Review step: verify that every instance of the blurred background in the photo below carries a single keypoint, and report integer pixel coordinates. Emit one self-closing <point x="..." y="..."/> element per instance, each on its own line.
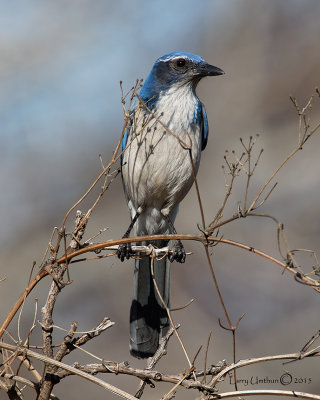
<point x="61" y="63"/>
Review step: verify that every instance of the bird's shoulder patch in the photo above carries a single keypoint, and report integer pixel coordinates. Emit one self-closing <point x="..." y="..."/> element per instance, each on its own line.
<point x="201" y="119"/>
<point x="204" y="128"/>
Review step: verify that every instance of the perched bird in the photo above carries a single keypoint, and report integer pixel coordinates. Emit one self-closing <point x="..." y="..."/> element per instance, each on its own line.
<point x="157" y="174"/>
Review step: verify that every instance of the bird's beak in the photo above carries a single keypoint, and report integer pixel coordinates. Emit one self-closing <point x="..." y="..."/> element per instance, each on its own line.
<point x="210" y="70"/>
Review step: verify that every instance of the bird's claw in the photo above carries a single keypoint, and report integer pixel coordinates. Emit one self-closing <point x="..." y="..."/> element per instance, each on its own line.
<point x="178" y="253"/>
<point x="124" y="251"/>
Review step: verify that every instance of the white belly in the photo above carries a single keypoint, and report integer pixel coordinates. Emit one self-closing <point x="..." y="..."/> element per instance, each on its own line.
<point x="157" y="170"/>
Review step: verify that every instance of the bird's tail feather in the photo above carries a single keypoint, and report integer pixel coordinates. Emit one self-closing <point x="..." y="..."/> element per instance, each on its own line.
<point x="148" y="316"/>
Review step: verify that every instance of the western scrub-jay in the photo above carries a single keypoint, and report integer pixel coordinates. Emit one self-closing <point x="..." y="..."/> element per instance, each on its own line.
<point x="157" y="174"/>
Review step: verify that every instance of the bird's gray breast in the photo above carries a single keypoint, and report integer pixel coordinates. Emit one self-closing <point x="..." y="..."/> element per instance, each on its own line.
<point x="157" y="169"/>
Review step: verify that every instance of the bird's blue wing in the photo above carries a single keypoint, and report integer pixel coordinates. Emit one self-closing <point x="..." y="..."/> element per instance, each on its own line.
<point x="124" y="140"/>
<point x="204" y="127"/>
<point x="123" y="146"/>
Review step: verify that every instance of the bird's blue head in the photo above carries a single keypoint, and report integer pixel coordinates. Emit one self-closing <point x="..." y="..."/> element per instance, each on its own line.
<point x="176" y="69"/>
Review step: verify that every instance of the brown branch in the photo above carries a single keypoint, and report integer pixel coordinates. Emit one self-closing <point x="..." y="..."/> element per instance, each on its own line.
<point x="287" y="393"/>
<point x="99" y="246"/>
<point x="217" y="372"/>
<point x="23" y="351"/>
<point x="77" y="343"/>
<point x="104" y="324"/>
<point x="250" y="361"/>
<point x="117" y="368"/>
<point x="114" y="159"/>
<point x="206" y="357"/>
<point x="30" y="367"/>
<point x="169" y="315"/>
<point x="161" y="351"/>
<point x="64" y="348"/>
<point x="233" y="170"/>
<point x="40" y="275"/>
<point x="47" y="328"/>
<point x="123" y="368"/>
<point x="213" y="226"/>
<point x="20" y="379"/>
<point x="302" y="140"/>
<point x="105" y="172"/>
<point x="217" y="286"/>
<point x="145" y="374"/>
<point x="26" y="382"/>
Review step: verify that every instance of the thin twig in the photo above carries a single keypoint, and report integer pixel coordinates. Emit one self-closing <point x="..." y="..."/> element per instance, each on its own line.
<point x="152" y="361"/>
<point x="206" y="357"/>
<point x="251" y="361"/>
<point x="73" y="370"/>
<point x="287" y="393"/>
<point x="169" y="316"/>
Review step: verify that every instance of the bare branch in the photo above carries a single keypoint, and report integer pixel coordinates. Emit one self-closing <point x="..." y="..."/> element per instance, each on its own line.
<point x="251" y="361"/>
<point x="287" y="393"/>
<point x="161" y="351"/>
<point x="73" y="370"/>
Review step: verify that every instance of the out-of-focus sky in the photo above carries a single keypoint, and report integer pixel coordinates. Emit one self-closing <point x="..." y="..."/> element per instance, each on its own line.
<point x="60" y="67"/>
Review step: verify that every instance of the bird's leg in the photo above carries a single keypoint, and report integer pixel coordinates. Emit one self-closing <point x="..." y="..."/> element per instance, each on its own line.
<point x="178" y="252"/>
<point x="124" y="250"/>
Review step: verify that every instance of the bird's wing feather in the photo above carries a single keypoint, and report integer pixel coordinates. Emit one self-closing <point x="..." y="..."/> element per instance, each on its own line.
<point x="124" y="140"/>
<point x="204" y="127"/>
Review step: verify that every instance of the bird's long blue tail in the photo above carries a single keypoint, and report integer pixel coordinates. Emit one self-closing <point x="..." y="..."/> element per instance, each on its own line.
<point x="148" y="316"/>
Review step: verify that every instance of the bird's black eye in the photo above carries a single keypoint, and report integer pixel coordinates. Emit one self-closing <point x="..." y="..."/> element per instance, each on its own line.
<point x="181" y="62"/>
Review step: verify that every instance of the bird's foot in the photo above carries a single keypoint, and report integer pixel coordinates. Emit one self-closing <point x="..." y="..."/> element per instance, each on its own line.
<point x="124" y="251"/>
<point x="178" y="253"/>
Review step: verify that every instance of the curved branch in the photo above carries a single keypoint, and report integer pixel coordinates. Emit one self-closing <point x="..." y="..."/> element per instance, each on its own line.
<point x="105" y="245"/>
<point x="250" y="361"/>
<point x="287" y="393"/>
<point x="41" y="274"/>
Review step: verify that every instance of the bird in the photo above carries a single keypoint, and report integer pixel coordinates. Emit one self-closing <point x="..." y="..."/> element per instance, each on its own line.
<point x="167" y="124"/>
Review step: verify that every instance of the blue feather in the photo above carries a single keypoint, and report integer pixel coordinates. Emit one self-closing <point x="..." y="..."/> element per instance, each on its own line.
<point x="124" y="140"/>
<point x="204" y="128"/>
<point x="200" y="118"/>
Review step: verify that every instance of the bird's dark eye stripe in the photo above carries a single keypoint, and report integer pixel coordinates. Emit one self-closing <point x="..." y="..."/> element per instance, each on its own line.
<point x="181" y="62"/>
